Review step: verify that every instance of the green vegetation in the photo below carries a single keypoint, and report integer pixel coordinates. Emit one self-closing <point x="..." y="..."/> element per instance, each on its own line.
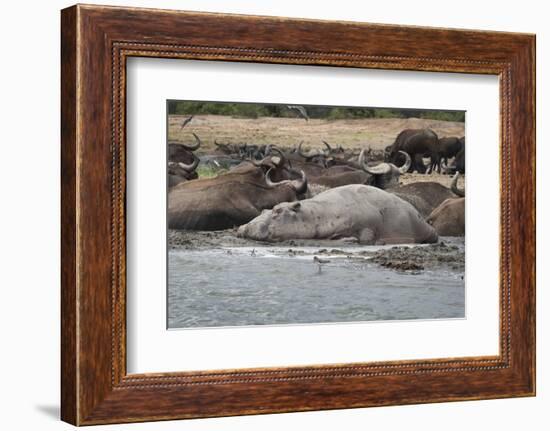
<point x="255" y="110"/>
<point x="208" y="171"/>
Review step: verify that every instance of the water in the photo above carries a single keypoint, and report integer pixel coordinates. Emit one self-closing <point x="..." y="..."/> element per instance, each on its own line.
<point x="242" y="286"/>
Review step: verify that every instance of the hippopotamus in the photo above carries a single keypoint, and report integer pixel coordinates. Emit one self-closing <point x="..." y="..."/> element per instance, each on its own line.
<point x="371" y="215"/>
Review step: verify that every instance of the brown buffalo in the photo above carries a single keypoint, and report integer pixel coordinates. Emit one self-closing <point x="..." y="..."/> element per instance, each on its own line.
<point x="448" y="219"/>
<point x="382" y="175"/>
<point x="182" y="162"/>
<point x="180" y="172"/>
<point x="417" y="143"/>
<point x="426" y="196"/>
<point x="236" y="197"/>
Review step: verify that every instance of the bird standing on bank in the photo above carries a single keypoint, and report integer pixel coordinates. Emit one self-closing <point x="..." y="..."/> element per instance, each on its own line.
<point x="320" y="262"/>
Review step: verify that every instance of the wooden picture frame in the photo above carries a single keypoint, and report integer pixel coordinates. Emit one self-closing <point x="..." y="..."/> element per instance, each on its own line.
<point x="95" y="43"/>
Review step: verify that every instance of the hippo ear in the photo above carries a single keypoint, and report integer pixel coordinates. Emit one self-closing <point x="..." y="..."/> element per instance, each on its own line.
<point x="295" y="206"/>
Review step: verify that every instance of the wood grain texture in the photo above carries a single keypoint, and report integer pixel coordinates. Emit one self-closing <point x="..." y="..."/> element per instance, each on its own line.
<point x="96" y="41"/>
<point x="69" y="367"/>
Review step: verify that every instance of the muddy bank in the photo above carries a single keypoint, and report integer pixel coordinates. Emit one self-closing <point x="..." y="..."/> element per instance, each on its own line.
<point x="448" y="253"/>
<point x="179" y="239"/>
<point x="421" y="257"/>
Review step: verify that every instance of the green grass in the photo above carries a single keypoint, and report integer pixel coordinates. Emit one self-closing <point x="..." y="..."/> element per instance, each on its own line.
<point x="208" y="171"/>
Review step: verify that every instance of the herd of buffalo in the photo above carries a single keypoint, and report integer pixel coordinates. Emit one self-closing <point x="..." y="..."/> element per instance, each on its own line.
<point x="276" y="194"/>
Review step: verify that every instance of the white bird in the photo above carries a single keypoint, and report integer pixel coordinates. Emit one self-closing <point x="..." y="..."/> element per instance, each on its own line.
<point x="300" y="110"/>
<point x="186" y="121"/>
<point x="320" y="262"/>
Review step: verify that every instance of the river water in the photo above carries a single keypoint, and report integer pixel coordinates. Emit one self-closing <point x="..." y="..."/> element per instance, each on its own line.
<point x="239" y="286"/>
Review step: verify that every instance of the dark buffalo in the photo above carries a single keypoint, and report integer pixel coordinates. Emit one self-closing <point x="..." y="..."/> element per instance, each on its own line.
<point x="449" y="147"/>
<point x="418" y="143"/>
<point x="226" y="149"/>
<point x="385" y="175"/>
<point x="382" y="175"/>
<point x="180" y="172"/>
<point x="234" y="198"/>
<point x="178" y="152"/>
<point x="242" y="151"/>
<point x="460" y="159"/>
<point x="332" y="176"/>
<point x="454" y="187"/>
<point x="315" y="155"/>
<point x="182" y="162"/>
<point x="325" y="157"/>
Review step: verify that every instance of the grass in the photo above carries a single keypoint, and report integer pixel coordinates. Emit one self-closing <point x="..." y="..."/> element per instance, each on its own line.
<point x="208" y="171"/>
<point x="288" y="132"/>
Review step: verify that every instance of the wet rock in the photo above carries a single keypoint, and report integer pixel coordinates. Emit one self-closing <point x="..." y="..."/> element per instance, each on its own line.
<point x="402" y="265"/>
<point x="419" y="258"/>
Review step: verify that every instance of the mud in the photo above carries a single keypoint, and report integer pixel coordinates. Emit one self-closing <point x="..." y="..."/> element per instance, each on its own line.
<point x="447" y="254"/>
<point x="419" y="258"/>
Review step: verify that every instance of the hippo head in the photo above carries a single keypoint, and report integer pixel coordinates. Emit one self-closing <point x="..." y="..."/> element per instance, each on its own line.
<point x="285" y="220"/>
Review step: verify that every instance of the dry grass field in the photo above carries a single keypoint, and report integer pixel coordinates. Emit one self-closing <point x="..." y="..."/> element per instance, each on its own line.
<point x="287" y="132"/>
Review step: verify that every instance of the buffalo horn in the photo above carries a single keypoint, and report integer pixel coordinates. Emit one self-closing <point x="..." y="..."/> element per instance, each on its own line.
<point x="310" y="153"/>
<point x="300" y="186"/>
<point x="190" y="168"/>
<point x="403" y="169"/>
<point x="193" y="147"/>
<point x="273" y="149"/>
<point x="454" y="187"/>
<point x="381" y="169"/>
<point x="300" y="152"/>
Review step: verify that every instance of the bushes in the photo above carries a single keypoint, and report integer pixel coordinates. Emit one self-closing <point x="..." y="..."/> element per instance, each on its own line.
<point x="255" y="110"/>
<point x="444" y="115"/>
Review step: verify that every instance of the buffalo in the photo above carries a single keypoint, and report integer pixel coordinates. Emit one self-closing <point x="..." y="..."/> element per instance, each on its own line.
<point x="385" y="175"/>
<point x="236" y="197"/>
<point x="182" y="162"/>
<point x="178" y="152"/>
<point x="382" y="175"/>
<point x="417" y="143"/>
<point x="325" y="156"/>
<point x="460" y="159"/>
<point x="180" y="172"/>
<point x="242" y="151"/>
<point x="425" y="196"/>
<point x="371" y="215"/>
<point x="449" y="147"/>
<point x="453" y="147"/>
<point x="448" y="219"/>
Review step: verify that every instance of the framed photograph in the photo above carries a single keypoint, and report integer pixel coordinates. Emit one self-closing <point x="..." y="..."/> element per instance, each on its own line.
<point x="264" y="214"/>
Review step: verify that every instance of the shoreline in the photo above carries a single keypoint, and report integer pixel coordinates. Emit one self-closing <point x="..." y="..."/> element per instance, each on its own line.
<point x="448" y="253"/>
